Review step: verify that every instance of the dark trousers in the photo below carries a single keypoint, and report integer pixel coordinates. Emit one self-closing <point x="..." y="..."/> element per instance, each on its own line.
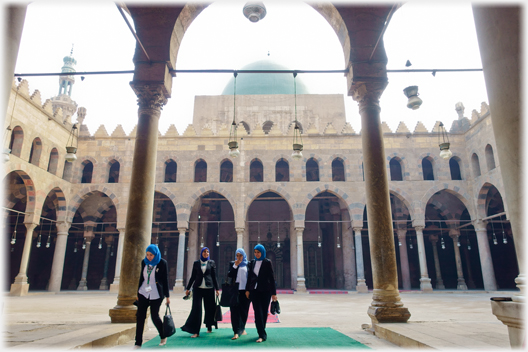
<point x="141" y="314"/>
<point x="239" y="313"/>
<point x="261" y="302"/>
<point x="194" y="321"/>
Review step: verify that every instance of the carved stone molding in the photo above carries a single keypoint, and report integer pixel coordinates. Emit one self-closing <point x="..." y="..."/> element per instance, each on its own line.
<point x="150" y="96"/>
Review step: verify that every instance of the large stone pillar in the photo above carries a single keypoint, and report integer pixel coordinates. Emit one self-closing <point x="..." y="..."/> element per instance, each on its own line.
<point x="21" y="287"/>
<point x="88" y="237"/>
<point x="151" y="97"/>
<point x="461" y="283"/>
<point x="240" y="238"/>
<point x="293" y="256"/>
<point x="498" y="32"/>
<point x="349" y="259"/>
<point x="249" y="251"/>
<point x="486" y="263"/>
<point x="301" y="281"/>
<point x="425" y="281"/>
<point x="57" y="266"/>
<point x="114" y="287"/>
<point x="404" y="259"/>
<point x="104" y="281"/>
<point x="178" y="284"/>
<point x="439" y="281"/>
<point x="386" y="305"/>
<point x="361" y="286"/>
<point x="192" y="243"/>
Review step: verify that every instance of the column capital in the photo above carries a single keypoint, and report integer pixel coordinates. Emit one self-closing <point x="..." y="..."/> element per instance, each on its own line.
<point x="151" y="95"/>
<point x="480" y="225"/>
<point x="121" y="229"/>
<point x="367" y="93"/>
<point x="182" y="229"/>
<point x="418" y="223"/>
<point x="299" y="229"/>
<point x="63" y="226"/>
<point x="454" y="233"/>
<point x="30" y="226"/>
<point x="401" y="232"/>
<point x="356" y="229"/>
<point x="419" y="228"/>
<point x="240" y="229"/>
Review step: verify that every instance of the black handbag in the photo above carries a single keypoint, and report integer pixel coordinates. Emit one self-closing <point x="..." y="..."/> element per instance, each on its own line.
<point x="229" y="297"/>
<point x="275" y="307"/>
<point x="218" y="311"/>
<point x="168" y="323"/>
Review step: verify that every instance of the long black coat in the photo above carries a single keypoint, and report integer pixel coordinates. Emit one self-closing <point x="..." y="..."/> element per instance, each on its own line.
<point x="161" y="275"/>
<point x="265" y="281"/>
<point x="197" y="275"/>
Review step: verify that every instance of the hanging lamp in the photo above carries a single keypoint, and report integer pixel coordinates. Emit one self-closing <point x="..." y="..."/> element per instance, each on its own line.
<point x="233" y="143"/>
<point x="297" y="139"/>
<point x="39" y="238"/>
<point x="70" y="148"/>
<point x="48" y="242"/>
<point x="13" y="238"/>
<point x="218" y="234"/>
<point x="504" y="239"/>
<point x="443" y="143"/>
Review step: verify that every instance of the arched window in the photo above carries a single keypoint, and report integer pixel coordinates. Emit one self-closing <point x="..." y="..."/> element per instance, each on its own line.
<point x="266" y="127"/>
<point x="256" y="171"/>
<point x="395" y="170"/>
<point x="282" y="171"/>
<point x="17" y="138"/>
<point x="490" y="159"/>
<point x="113" y="174"/>
<point x="427" y="169"/>
<point x="226" y="171"/>
<point x="87" y="172"/>
<point x="36" y="149"/>
<point x="475" y="165"/>
<point x="200" y="171"/>
<point x="455" y="169"/>
<point x="53" y="161"/>
<point x="67" y="172"/>
<point x="170" y="170"/>
<point x="312" y="170"/>
<point x="338" y="170"/>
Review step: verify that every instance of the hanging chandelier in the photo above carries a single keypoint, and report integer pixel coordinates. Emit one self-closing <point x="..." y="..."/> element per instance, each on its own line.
<point x="71" y="149"/>
<point x="443" y="143"/>
<point x="233" y="143"/>
<point x="297" y="139"/>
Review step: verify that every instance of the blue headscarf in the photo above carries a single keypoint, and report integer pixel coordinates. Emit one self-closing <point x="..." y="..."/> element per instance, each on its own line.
<point x="201" y="254"/>
<point x="157" y="255"/>
<point x="262" y="250"/>
<point x="244" y="260"/>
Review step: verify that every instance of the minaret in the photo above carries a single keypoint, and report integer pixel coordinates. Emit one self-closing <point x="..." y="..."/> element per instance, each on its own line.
<point x="64" y="100"/>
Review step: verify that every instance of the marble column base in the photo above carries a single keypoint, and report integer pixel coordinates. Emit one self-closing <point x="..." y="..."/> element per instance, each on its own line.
<point x="388" y="314"/>
<point x="104" y="284"/>
<point x="511" y="314"/>
<point x="82" y="285"/>
<point x="361" y="286"/>
<point x="123" y="314"/>
<point x="301" y="286"/>
<point x="461" y="285"/>
<point x="425" y="285"/>
<point x="178" y="286"/>
<point x="19" y="289"/>
<point x="114" y="288"/>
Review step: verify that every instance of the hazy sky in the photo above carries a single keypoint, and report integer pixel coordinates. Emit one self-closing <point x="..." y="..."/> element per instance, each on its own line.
<point x="430" y="35"/>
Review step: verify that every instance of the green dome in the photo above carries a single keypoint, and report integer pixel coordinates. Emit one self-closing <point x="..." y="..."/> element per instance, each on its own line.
<point x="265" y="83"/>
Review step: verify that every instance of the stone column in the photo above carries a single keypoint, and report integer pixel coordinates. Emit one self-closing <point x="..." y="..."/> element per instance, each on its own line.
<point x="246" y="241"/>
<point x="240" y="238"/>
<point x="293" y="256"/>
<point x="349" y="259"/>
<point x="439" y="281"/>
<point x="425" y="281"/>
<point x="301" y="281"/>
<point x="151" y="97"/>
<point x="404" y="259"/>
<point x="192" y="243"/>
<point x="88" y="236"/>
<point x="461" y="283"/>
<point x="178" y="284"/>
<point x="114" y="287"/>
<point x="469" y="279"/>
<point x="361" y="286"/>
<point x="499" y="31"/>
<point x="57" y="266"/>
<point x="386" y="305"/>
<point x="104" y="281"/>
<point x="20" y="287"/>
<point x="486" y="263"/>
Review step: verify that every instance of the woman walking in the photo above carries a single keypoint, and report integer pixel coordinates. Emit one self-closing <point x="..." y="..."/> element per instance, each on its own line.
<point x="260" y="288"/>
<point x="239" y="312"/>
<point x="203" y="281"/>
<point x="153" y="287"/>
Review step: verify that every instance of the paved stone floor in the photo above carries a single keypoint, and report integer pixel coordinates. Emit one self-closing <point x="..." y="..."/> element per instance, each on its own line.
<point x="442" y="320"/>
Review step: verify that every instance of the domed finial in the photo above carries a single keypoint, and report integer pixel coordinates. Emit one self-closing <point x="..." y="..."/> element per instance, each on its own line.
<point x="254" y="11"/>
<point x="459" y="107"/>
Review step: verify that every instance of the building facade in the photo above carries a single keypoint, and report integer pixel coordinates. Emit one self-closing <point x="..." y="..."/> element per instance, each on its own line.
<point x="451" y="228"/>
